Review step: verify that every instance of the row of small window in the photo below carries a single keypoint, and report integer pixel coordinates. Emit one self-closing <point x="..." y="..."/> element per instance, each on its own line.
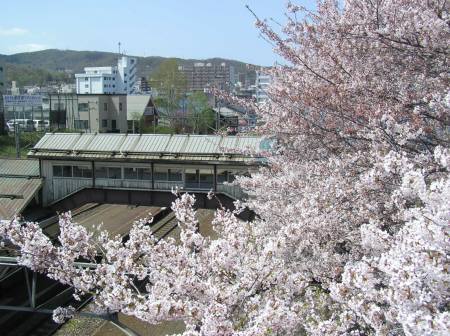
<point x="109" y="85"/>
<point x="161" y="174"/>
<point x="109" y="78"/>
<point x="115" y="173"/>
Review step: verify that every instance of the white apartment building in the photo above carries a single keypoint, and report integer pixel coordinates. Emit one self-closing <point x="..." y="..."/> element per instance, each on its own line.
<point x="118" y="79"/>
<point x="263" y="81"/>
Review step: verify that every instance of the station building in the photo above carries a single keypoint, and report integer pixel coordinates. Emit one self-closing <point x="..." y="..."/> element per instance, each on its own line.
<point x="70" y="162"/>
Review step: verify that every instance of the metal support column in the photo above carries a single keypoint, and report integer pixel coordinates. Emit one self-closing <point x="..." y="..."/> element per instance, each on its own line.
<point x="215" y="178"/>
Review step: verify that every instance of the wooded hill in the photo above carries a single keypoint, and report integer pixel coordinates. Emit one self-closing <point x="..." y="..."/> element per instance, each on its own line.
<point x="49" y="65"/>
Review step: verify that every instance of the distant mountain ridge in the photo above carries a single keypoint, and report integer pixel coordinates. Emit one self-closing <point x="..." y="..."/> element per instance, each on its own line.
<point x="53" y="64"/>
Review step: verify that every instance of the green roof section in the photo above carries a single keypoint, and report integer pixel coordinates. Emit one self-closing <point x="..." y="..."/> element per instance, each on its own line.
<point x="19" y="167"/>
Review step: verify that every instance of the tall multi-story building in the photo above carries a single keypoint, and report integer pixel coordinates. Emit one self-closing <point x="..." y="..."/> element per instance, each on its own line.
<point x="118" y="79"/>
<point x="2" y="90"/>
<point x="142" y="86"/>
<point x="263" y="81"/>
<point x="201" y="75"/>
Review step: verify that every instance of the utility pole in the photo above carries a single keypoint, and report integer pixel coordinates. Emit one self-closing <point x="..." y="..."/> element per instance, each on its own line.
<point x="17" y="134"/>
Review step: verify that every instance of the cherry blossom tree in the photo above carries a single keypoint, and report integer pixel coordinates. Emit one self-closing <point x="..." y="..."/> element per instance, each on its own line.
<point x="352" y="228"/>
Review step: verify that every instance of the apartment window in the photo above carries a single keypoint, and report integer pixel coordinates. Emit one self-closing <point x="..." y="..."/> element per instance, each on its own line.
<point x="81" y="124"/>
<point x="82" y="171"/>
<point x="104" y="123"/>
<point x="86" y="86"/>
<point x="125" y="75"/>
<point x="125" y="82"/>
<point x="105" y="107"/>
<point x="115" y="173"/>
<point x="83" y="107"/>
<point x="113" y="124"/>
<point x="120" y="106"/>
<point x="86" y="78"/>
<point x="114" y="86"/>
<point x="105" y="78"/>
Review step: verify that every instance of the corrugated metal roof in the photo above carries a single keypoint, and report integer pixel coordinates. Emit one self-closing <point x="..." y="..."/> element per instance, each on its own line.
<point x="15" y="194"/>
<point x="176" y="144"/>
<point x="105" y="143"/>
<point x="145" y="146"/>
<point x="19" y="167"/>
<point x="154" y="144"/>
<point x="59" y="141"/>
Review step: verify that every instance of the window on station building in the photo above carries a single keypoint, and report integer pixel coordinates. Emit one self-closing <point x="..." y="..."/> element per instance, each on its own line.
<point x="82" y="171"/>
<point x="175" y="175"/>
<point x="161" y="174"/>
<point x="105" y="107"/>
<point x="144" y="174"/>
<point x="206" y="178"/>
<point x="120" y="106"/>
<point x="222" y="176"/>
<point x="104" y="123"/>
<point x="130" y="173"/>
<point x="101" y="172"/>
<point x="113" y="124"/>
<point x="114" y="173"/>
<point x="191" y="178"/>
<point x="137" y="173"/>
<point x="62" y="171"/>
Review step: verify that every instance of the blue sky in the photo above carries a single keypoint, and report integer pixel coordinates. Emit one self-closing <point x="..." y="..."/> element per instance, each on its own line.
<point x="178" y="28"/>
